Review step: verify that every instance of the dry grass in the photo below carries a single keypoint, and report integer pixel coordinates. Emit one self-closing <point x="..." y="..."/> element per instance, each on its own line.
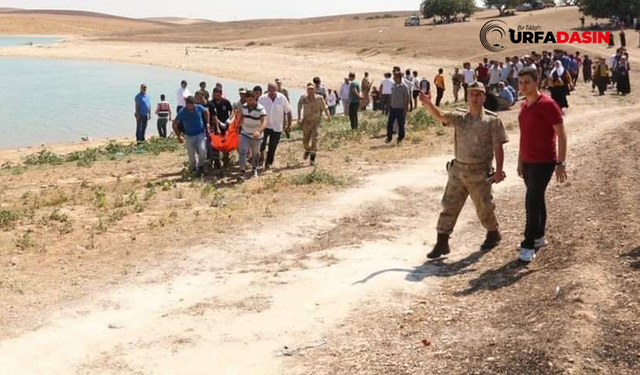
<point x="100" y="219"/>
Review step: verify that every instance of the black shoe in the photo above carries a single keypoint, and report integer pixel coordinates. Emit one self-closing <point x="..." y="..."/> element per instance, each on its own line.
<point x="388" y="140"/>
<point x="312" y="159"/>
<point x="492" y="240"/>
<point x="306" y="155"/>
<point x="441" y="248"/>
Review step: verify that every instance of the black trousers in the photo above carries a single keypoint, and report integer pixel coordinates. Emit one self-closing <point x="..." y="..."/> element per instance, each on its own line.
<point x="439" y="97"/>
<point x="162" y="127"/>
<point x="353" y="114"/>
<point x="536" y="178"/>
<point x="270" y="143"/>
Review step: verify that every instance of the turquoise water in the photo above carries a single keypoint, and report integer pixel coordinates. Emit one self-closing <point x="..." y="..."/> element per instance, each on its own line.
<point x="46" y="101"/>
<point x="9" y="41"/>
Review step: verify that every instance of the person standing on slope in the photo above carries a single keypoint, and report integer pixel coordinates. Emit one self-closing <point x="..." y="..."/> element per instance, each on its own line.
<point x="479" y="137"/>
<point x="541" y="128"/>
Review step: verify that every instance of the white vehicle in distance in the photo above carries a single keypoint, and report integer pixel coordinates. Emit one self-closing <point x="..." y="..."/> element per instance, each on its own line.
<point x="412" y="20"/>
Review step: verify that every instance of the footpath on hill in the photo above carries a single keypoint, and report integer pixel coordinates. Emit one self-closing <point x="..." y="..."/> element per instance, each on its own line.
<point x="342" y="287"/>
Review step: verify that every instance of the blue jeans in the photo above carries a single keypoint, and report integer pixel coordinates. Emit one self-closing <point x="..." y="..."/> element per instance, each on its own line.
<point x="248" y="142"/>
<point x="196" y="144"/>
<point x="141" y="127"/>
<point x="396" y="114"/>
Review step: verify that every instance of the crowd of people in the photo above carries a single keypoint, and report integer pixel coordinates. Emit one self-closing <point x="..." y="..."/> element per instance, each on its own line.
<point x="265" y="117"/>
<point x="262" y="118"/>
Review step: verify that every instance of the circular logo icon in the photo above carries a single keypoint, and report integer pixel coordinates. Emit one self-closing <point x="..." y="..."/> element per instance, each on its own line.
<point x="493" y="30"/>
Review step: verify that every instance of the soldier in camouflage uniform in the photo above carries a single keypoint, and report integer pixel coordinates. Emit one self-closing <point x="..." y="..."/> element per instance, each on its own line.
<point x="479" y="135"/>
<point x="365" y="85"/>
<point x="310" y="109"/>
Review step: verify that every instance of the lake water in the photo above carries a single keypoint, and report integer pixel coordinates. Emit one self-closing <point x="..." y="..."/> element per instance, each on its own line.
<point x="9" y="41"/>
<point x="46" y="101"/>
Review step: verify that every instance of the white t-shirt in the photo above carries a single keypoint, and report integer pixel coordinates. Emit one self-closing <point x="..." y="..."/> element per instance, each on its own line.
<point x="345" y="90"/>
<point x="469" y="76"/>
<point x="332" y="99"/>
<point x="387" y="86"/>
<point x="506" y="72"/>
<point x="276" y="109"/>
<point x="181" y="95"/>
<point x="516" y="68"/>
<point x="612" y="62"/>
<point x="495" y="74"/>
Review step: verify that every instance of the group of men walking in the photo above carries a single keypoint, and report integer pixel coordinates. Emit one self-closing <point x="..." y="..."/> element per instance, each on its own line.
<point x="262" y="120"/>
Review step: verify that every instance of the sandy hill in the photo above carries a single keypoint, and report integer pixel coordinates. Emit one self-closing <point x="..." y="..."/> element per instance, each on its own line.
<point x="66" y="22"/>
<point x="364" y="34"/>
<point x="178" y="20"/>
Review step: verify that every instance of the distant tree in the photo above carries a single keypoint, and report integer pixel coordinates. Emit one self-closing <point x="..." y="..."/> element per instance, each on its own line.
<point x="609" y="8"/>
<point x="447" y="10"/>
<point x="501" y="5"/>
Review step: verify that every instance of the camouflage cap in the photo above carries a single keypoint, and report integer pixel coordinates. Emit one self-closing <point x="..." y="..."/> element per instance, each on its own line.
<point x="478" y="86"/>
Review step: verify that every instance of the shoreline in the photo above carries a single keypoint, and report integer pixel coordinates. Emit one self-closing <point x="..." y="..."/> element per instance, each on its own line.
<point x="293" y="66"/>
<point x="16" y="154"/>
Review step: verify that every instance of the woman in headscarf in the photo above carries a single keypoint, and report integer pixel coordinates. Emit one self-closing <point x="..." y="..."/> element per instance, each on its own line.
<point x="601" y="76"/>
<point x="612" y="41"/>
<point x="559" y="84"/>
<point x="624" y="84"/>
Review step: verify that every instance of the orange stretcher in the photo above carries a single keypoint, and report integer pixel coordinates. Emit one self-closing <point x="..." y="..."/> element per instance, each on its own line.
<point x="229" y="141"/>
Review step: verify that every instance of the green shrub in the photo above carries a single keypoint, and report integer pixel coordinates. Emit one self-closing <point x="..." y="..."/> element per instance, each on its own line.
<point x="56" y="215"/>
<point x="420" y="120"/>
<point x="86" y="158"/>
<point x="8" y="219"/>
<point x="317" y="176"/>
<point x="43" y="157"/>
<point x="100" y="197"/>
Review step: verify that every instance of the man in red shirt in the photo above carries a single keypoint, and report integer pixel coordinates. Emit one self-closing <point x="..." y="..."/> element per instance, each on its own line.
<point x="541" y="133"/>
<point x="482" y="72"/>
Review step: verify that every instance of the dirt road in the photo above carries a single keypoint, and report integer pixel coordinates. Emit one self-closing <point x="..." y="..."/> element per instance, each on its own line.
<point x="277" y="290"/>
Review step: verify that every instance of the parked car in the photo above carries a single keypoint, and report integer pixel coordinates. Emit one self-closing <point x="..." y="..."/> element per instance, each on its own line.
<point x="535" y="5"/>
<point x="412" y="20"/>
<point x="524" y="8"/>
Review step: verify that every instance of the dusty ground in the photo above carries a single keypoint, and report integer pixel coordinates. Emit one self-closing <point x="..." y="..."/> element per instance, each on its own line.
<point x="87" y="224"/>
<point x="132" y="269"/>
<point x="572" y="312"/>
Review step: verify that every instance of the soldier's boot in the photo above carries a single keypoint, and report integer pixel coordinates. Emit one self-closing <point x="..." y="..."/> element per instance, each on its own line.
<point x="492" y="240"/>
<point x="312" y="159"/>
<point x="441" y="248"/>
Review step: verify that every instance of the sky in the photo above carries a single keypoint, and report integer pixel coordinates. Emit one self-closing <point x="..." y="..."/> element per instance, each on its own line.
<point x="218" y="10"/>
